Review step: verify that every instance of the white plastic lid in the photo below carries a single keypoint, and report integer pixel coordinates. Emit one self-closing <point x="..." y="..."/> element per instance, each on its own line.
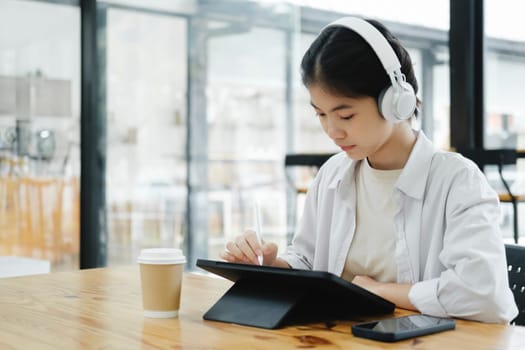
<point x="161" y="256"/>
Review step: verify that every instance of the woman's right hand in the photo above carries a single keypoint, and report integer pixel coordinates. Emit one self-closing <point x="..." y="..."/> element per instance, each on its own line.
<point x="245" y="249"/>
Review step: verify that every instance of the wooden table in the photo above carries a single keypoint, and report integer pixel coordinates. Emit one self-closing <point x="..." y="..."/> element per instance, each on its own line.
<point x="101" y="309"/>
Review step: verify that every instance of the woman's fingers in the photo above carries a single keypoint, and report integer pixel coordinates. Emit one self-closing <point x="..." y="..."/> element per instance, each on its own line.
<point x="235" y="251"/>
<point x="269" y="252"/>
<point x="253" y="242"/>
<point x="225" y="255"/>
<point x="246" y="248"/>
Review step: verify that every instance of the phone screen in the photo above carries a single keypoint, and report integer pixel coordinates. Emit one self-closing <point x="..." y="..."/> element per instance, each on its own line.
<point x="398" y="328"/>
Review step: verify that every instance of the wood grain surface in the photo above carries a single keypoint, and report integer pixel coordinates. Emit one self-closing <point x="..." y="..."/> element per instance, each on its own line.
<point x="101" y="309"/>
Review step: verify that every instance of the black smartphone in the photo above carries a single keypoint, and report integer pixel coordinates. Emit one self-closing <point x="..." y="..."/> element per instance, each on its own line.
<point x="398" y="328"/>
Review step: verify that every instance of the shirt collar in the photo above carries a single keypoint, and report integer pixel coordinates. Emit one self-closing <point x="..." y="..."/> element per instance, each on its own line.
<point x="347" y="172"/>
<point x="413" y="178"/>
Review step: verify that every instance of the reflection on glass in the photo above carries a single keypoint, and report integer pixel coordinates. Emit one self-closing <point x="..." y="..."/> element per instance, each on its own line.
<point x="246" y="104"/>
<point x="146" y="109"/>
<point x="504" y="109"/>
<point x="39" y="131"/>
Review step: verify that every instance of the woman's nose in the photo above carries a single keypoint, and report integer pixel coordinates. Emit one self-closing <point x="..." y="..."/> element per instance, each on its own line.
<point x="334" y="131"/>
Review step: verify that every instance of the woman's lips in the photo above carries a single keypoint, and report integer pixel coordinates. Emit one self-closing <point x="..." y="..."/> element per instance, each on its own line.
<point x="347" y="148"/>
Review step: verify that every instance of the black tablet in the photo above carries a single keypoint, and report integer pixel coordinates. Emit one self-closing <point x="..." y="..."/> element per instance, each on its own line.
<point x="271" y="297"/>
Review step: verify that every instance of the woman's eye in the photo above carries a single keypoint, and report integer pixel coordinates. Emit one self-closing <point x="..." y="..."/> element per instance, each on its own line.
<point x="348" y="117"/>
<point x="320" y="115"/>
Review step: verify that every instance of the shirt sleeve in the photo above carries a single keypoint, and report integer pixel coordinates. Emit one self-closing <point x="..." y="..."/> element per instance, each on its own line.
<point x="474" y="284"/>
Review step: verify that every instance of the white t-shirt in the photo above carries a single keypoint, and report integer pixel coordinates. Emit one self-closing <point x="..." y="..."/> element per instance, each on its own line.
<point x="372" y="252"/>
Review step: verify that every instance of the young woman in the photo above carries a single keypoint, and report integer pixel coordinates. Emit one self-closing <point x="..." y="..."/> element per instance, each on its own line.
<point x="391" y="213"/>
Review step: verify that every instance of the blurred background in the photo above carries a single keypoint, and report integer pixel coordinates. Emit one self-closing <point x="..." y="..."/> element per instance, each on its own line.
<point x="179" y="115"/>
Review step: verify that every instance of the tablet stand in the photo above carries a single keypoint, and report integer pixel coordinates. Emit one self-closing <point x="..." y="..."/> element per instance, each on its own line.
<point x="258" y="303"/>
<point x="250" y="303"/>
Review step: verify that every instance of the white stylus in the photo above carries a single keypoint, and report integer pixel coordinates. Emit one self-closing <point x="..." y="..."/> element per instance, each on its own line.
<point x="258" y="232"/>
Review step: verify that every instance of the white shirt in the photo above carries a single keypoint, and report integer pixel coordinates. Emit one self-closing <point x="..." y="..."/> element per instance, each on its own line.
<point x="372" y="251"/>
<point x="448" y="241"/>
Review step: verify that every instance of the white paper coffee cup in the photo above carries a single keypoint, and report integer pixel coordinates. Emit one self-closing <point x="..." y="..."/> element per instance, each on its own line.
<point x="161" y="281"/>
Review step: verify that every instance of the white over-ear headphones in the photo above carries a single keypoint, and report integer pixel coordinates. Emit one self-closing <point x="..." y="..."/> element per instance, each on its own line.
<point x="398" y="101"/>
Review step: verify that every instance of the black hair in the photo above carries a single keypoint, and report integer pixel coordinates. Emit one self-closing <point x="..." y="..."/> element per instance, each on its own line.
<point x="343" y="63"/>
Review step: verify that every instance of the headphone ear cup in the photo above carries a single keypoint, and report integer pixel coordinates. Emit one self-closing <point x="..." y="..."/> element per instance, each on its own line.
<point x="396" y="107"/>
<point x="385" y="104"/>
<point x="406" y="101"/>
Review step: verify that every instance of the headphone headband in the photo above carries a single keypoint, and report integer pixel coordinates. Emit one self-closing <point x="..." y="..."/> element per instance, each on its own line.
<point x="374" y="38"/>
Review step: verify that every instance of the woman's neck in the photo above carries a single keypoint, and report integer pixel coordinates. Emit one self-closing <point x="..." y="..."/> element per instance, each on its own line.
<point x="394" y="153"/>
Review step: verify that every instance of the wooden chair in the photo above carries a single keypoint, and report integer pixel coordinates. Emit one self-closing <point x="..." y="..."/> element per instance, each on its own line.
<point x="499" y="158"/>
<point x="516" y="270"/>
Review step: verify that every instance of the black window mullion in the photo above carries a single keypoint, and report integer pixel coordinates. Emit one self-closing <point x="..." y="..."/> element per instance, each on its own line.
<point x="93" y="231"/>
<point x="466" y="41"/>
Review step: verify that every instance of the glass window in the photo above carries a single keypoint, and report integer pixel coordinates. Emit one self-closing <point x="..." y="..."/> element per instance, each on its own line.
<point x="39" y="131"/>
<point x="308" y="134"/>
<point x="146" y="131"/>
<point x="166" y="6"/>
<point x="432" y="14"/>
<point x="504" y="109"/>
<point x="247" y="118"/>
<point x="504" y="74"/>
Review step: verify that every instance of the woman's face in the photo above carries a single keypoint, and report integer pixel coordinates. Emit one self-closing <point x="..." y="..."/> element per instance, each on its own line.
<point x="353" y="124"/>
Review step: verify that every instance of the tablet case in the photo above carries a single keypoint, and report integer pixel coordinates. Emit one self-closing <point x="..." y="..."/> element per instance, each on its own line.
<point x="271" y="297"/>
